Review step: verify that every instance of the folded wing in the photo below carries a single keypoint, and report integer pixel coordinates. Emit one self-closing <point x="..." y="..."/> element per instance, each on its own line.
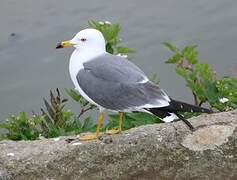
<point x="115" y="83"/>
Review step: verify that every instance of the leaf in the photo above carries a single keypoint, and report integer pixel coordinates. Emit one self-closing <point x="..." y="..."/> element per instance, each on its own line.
<point x="64" y="100"/>
<point x="5" y="126"/>
<point x="145" y="118"/>
<point x="174" y="59"/>
<point x="204" y="71"/>
<point x="49" y="109"/>
<point x="210" y="91"/>
<point x="171" y="47"/>
<point x="113" y="119"/>
<point x="22" y="117"/>
<point x="110" y="32"/>
<point x="227" y="88"/>
<point x="47" y="118"/>
<point x="189" y="48"/>
<point x="73" y="94"/>
<point x="190" y="54"/>
<point x="83" y="102"/>
<point x="182" y="72"/>
<point x="58" y="97"/>
<point x="127" y="122"/>
<point x="154" y="78"/>
<point x="53" y="101"/>
<point x="124" y="50"/>
<point x="94" y="24"/>
<point x="109" y="48"/>
<point x="87" y="124"/>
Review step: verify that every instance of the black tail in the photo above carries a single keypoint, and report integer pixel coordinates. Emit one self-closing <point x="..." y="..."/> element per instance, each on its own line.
<point x="177" y="106"/>
<point x="184" y="120"/>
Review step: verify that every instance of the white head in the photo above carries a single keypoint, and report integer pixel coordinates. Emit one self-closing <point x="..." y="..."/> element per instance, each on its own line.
<point x="86" y="40"/>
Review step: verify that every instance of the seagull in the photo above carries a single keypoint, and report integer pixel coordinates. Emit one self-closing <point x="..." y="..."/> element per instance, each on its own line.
<point x="113" y="83"/>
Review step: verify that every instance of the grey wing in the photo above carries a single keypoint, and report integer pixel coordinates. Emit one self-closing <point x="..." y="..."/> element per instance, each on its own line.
<point x="115" y="68"/>
<point x="119" y="86"/>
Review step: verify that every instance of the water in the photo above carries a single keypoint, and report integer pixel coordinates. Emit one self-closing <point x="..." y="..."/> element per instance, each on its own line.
<point x="30" y="65"/>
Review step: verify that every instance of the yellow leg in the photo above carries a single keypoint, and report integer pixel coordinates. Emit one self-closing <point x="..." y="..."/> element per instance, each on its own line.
<point x="119" y="129"/>
<point x="95" y="135"/>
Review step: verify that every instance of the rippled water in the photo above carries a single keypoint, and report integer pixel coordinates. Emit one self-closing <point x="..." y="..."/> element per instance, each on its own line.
<point x="30" y="65"/>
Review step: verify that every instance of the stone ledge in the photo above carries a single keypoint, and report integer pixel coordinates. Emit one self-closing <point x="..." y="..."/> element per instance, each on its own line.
<point x="159" y="151"/>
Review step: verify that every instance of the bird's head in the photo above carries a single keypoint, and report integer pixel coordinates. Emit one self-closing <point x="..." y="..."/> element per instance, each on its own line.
<point x="87" y="39"/>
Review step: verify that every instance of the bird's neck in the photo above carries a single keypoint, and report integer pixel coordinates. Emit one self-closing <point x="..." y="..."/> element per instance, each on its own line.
<point x="84" y="55"/>
<point x="81" y="56"/>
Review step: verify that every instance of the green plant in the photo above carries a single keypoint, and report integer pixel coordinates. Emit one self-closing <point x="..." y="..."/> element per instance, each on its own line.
<point x="58" y="121"/>
<point x="111" y="35"/>
<point x="53" y="121"/>
<point x="22" y="127"/>
<point x="131" y="120"/>
<point x="84" y="105"/>
<point x="220" y="94"/>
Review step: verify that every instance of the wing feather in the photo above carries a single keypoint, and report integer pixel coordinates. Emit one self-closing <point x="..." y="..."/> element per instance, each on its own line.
<point x="116" y="84"/>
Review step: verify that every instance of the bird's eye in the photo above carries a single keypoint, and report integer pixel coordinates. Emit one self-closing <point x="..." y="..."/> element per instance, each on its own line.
<point x="83" y="39"/>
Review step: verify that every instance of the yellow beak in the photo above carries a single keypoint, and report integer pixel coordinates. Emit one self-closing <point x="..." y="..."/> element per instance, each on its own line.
<point x="64" y="44"/>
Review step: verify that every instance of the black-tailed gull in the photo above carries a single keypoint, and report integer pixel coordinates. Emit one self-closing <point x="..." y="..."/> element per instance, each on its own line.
<point x="115" y="84"/>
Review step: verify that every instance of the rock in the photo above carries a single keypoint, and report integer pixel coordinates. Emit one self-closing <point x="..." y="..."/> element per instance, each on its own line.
<point x="159" y="151"/>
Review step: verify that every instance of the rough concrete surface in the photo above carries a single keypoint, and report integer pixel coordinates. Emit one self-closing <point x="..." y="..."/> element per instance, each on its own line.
<point x="159" y="151"/>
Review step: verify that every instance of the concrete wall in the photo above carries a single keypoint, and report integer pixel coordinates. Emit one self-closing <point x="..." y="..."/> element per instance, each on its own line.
<point x="159" y="151"/>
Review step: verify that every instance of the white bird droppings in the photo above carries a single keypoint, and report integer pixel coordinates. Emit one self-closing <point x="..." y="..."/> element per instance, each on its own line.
<point x="76" y="143"/>
<point x="10" y="154"/>
<point x="56" y="139"/>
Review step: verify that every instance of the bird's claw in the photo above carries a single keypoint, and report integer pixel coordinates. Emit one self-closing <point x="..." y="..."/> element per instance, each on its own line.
<point x="112" y="131"/>
<point x="88" y="137"/>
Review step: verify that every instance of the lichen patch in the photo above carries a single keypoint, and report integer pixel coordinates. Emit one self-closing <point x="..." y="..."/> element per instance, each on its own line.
<point x="208" y="137"/>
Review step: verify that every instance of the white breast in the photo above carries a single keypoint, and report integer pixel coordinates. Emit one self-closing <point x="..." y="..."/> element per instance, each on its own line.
<point x="75" y="65"/>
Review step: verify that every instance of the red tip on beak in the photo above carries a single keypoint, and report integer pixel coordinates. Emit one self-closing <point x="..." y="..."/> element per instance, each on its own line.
<point x="59" y="45"/>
